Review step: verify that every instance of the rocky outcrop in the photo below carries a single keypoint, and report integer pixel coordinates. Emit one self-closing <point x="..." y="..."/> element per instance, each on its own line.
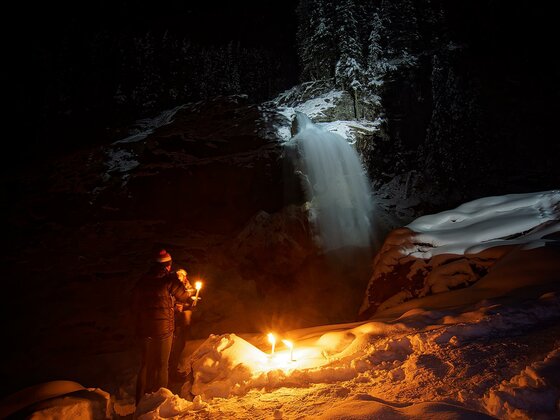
<point x="458" y="248"/>
<point x="399" y="276"/>
<point x="344" y="106"/>
<point x="209" y="168"/>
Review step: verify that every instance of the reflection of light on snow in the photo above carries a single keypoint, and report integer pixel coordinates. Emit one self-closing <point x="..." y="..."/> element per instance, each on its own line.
<point x="285" y="360"/>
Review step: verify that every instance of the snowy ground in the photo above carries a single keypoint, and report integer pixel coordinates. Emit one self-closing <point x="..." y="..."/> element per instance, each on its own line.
<point x="492" y="349"/>
<point x="488" y="350"/>
<point x="454" y="363"/>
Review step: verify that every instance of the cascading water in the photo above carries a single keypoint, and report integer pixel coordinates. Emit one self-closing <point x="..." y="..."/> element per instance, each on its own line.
<point x="336" y="186"/>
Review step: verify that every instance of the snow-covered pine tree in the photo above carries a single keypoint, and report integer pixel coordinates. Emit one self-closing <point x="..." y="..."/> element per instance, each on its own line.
<point x="400" y="21"/>
<point x="233" y="80"/>
<point x="453" y="153"/>
<point x="316" y="39"/>
<point x="376" y="64"/>
<point x="349" y="70"/>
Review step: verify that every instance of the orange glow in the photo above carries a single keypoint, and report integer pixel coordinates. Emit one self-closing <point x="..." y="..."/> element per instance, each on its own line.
<point x="305" y="356"/>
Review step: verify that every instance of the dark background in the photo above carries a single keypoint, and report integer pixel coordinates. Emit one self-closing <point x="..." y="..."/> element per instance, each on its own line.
<point x="63" y="60"/>
<point x="58" y="91"/>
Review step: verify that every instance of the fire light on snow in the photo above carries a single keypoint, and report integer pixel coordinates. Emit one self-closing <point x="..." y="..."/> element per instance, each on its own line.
<point x="404" y="355"/>
<point x="285" y="360"/>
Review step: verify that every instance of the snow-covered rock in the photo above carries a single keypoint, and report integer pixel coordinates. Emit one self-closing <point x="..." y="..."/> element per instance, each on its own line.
<point x="457" y="248"/>
<point x="330" y="108"/>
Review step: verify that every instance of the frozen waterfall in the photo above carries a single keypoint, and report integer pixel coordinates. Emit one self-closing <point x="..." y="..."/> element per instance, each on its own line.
<point x="336" y="186"/>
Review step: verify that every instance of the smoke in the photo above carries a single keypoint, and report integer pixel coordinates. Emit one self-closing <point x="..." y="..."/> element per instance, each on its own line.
<point x="336" y="186"/>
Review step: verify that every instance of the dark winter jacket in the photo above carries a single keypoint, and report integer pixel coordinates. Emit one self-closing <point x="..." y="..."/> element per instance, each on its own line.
<point x="153" y="300"/>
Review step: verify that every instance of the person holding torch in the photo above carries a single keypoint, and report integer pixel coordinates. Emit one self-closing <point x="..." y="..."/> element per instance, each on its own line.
<point x="154" y="297"/>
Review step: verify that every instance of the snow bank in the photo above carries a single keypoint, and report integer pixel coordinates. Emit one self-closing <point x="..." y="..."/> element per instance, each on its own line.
<point x="57" y="400"/>
<point x="487" y="222"/>
<point x="492" y="246"/>
<point x="221" y="366"/>
<point x="228" y="365"/>
<point x="438" y="363"/>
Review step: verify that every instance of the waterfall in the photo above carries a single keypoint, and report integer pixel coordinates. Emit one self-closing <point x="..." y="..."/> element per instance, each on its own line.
<point x="335" y="184"/>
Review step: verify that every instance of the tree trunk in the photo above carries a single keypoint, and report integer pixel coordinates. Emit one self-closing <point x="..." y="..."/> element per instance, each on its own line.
<point x="355" y="97"/>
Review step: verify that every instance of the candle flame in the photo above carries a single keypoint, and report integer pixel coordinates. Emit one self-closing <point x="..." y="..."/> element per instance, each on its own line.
<point x="271" y="338"/>
<point x="288" y="344"/>
<point x="198" y="285"/>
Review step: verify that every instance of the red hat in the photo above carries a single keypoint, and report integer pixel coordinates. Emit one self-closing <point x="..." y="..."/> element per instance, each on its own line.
<point x="163" y="256"/>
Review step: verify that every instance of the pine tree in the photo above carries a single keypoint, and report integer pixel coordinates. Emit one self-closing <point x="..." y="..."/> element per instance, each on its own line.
<point x="453" y="152"/>
<point x="349" y="70"/>
<point x="316" y="39"/>
<point x="400" y="21"/>
<point x="376" y="64"/>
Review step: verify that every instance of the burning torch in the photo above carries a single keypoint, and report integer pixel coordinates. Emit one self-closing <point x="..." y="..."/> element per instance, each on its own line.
<point x="290" y="345"/>
<point x="197" y="286"/>
<point x="272" y="341"/>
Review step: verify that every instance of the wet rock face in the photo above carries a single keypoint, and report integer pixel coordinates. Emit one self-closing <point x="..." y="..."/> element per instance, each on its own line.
<point x="208" y="168"/>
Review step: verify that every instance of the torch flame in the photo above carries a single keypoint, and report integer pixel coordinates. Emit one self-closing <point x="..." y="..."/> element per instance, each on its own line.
<point x="288" y="344"/>
<point x="272" y="341"/>
<point x="198" y="285"/>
